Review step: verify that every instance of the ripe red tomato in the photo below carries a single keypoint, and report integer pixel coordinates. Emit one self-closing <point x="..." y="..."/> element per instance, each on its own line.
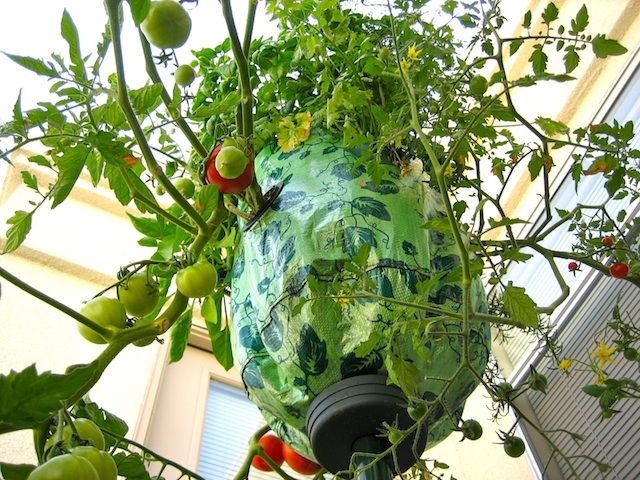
<point x="233" y="185"/>
<point x="619" y="270"/>
<point x="272" y="446"/>
<point x="608" y="241"/>
<point x="299" y="463"/>
<point x="573" y="266"/>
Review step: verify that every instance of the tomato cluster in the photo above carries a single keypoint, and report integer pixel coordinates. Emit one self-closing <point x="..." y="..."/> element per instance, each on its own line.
<point x="280" y="452"/>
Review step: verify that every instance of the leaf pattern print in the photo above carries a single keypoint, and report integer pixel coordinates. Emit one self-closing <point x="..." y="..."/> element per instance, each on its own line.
<point x="371" y="206"/>
<point x="312" y="352"/>
<point x="354" y="237"/>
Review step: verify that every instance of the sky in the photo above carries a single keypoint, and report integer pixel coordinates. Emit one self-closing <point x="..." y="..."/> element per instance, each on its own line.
<point x="32" y="28"/>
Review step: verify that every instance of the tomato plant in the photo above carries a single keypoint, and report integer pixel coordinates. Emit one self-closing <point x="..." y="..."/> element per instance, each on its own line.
<point x="197" y="280"/>
<point x="272" y="446"/>
<point x="299" y="463"/>
<point x="65" y="467"/>
<point x="167" y="24"/>
<point x="139" y="294"/>
<point x="103" y="463"/>
<point x="106" y="312"/>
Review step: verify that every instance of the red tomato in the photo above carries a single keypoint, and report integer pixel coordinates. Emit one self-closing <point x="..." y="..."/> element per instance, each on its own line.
<point x="272" y="446"/>
<point x="608" y="241"/>
<point x="619" y="270"/>
<point x="233" y="185"/>
<point x="573" y="266"/>
<point x="299" y="463"/>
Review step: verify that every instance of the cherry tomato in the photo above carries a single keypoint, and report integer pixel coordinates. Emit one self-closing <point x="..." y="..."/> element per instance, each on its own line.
<point x="608" y="241"/>
<point x="416" y="411"/>
<point x="619" y="270"/>
<point x="231" y="162"/>
<point x="185" y="186"/>
<point x="108" y="312"/>
<point x="185" y="75"/>
<point x="104" y="463"/>
<point x="230" y="186"/>
<point x="197" y="280"/>
<point x="573" y="266"/>
<point x="272" y="446"/>
<point x="167" y="24"/>
<point x="514" y="446"/>
<point x="471" y="429"/>
<point x="478" y="86"/>
<point x="65" y="467"/>
<point x="299" y="463"/>
<point x="139" y="294"/>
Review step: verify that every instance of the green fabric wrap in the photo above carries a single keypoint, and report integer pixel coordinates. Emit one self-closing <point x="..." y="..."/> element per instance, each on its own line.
<point x="327" y="209"/>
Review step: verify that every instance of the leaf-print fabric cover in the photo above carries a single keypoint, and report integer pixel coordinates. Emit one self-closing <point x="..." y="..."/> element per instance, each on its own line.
<point x="325" y="212"/>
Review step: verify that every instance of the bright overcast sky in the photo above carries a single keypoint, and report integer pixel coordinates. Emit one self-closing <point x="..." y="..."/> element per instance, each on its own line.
<point x="32" y="28"/>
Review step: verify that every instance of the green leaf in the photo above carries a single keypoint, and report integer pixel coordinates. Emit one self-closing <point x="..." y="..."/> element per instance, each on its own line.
<point x="144" y="100"/>
<point x="18" y="125"/>
<point x="515" y="255"/>
<point x="550" y="13"/>
<point x="505" y="221"/>
<point x="70" y="165"/>
<point x="526" y="22"/>
<point x="521" y="308"/>
<point x="27" y="399"/>
<point x="30" y="180"/>
<point x="221" y="346"/>
<point x="180" y="335"/>
<point x="11" y="471"/>
<point x="131" y="466"/>
<point x="438" y="224"/>
<point x="579" y="24"/>
<point x="139" y="10"/>
<point x="148" y="226"/>
<point x="16" y="234"/>
<point x="514" y="46"/>
<point x="571" y="59"/>
<point x="551" y="127"/>
<point x="604" y="47"/>
<point x="208" y="199"/>
<point x="117" y="183"/>
<point x="34" y="64"/>
<point x="70" y="33"/>
<point x="538" y="60"/>
<point x="594" y="390"/>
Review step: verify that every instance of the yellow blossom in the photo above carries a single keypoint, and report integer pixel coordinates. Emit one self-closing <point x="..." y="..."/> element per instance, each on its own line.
<point x="600" y="379"/>
<point x="404" y="65"/>
<point x="604" y="353"/>
<point x="565" y="364"/>
<point x="413" y="53"/>
<point x="450" y="169"/>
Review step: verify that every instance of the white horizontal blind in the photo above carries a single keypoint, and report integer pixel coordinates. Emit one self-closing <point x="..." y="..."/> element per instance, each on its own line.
<point x="231" y="420"/>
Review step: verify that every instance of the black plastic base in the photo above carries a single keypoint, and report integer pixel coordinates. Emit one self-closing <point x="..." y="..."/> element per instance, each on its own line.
<point x="358" y="407"/>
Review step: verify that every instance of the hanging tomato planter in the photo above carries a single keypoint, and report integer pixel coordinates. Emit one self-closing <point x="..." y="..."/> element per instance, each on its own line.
<point x="294" y="336"/>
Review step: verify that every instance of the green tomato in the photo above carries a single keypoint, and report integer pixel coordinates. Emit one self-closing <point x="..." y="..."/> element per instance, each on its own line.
<point x="87" y="431"/>
<point x="231" y="162"/>
<point x="471" y="429"/>
<point x="185" y="75"/>
<point x="108" y="312"/>
<point x="104" y="463"/>
<point x="478" y="86"/>
<point x="514" y="446"/>
<point x="65" y="467"/>
<point x="185" y="186"/>
<point x="630" y="353"/>
<point x="417" y="410"/>
<point x="139" y="294"/>
<point x="197" y="280"/>
<point x="167" y="25"/>
<point x="384" y="54"/>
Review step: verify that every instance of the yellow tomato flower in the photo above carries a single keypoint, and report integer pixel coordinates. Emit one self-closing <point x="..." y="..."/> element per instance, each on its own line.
<point x="413" y="53"/>
<point x="600" y="379"/>
<point x="404" y="65"/>
<point x="565" y="364"/>
<point x="604" y="353"/>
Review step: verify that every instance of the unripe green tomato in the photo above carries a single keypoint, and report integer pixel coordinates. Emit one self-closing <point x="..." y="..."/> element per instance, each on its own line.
<point x="65" y="467"/>
<point x="167" y="24"/>
<point x="384" y="54"/>
<point x="108" y="312"/>
<point x="185" y="75"/>
<point x="139" y="294"/>
<point x="514" y="446"/>
<point x="87" y="431"/>
<point x="197" y="280"/>
<point x="104" y="463"/>
<point x="478" y="86"/>
<point x="185" y="186"/>
<point x="231" y="162"/>
<point x="630" y="353"/>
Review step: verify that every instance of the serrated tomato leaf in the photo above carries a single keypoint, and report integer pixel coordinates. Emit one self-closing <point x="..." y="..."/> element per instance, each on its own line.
<point x="520" y="306"/>
<point x="28" y="398"/>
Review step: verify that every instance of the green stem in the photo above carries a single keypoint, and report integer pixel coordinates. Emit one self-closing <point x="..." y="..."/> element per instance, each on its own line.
<point x="152" y="71"/>
<point x="246" y="104"/>
<point x="125" y="103"/>
<point x="104" y="332"/>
